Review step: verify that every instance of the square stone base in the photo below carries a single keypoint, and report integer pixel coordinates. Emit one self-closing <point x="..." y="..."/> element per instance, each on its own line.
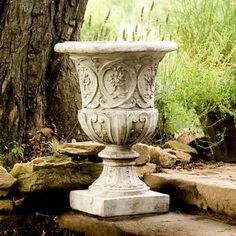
<point x="148" y="202"/>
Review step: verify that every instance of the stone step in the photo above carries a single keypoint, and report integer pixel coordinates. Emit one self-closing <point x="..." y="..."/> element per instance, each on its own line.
<point x="208" y="189"/>
<point x="177" y="224"/>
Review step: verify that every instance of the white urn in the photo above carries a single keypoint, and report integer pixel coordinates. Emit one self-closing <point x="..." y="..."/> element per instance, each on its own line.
<point x="117" y="82"/>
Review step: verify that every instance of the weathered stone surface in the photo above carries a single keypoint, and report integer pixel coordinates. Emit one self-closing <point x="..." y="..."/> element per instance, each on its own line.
<point x="82" y="149"/>
<point x="147" y="169"/>
<point x="143" y="150"/>
<point x="6" y="182"/>
<point x="175" y="145"/>
<point x="145" y="225"/>
<point x="108" y="206"/>
<point x="162" y="157"/>
<point x="6" y="179"/>
<point x="181" y="156"/>
<point x="54" y="172"/>
<point x="188" y="135"/>
<point x="6" y="205"/>
<point x="204" y="190"/>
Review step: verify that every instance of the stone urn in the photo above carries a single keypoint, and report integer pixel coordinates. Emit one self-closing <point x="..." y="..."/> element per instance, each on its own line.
<point x="117" y="82"/>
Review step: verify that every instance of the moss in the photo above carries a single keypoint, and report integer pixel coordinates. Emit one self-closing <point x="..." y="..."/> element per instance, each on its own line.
<point x="175" y="145"/>
<point x="55" y="173"/>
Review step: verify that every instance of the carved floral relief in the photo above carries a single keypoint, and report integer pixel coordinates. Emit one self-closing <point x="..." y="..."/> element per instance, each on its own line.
<point x="123" y="83"/>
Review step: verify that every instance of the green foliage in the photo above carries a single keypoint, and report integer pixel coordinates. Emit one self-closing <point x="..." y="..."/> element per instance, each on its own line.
<point x="14" y="153"/>
<point x="94" y="30"/>
<point x="125" y="20"/>
<point x="203" y="77"/>
<point x="199" y="78"/>
<point x="206" y="29"/>
<point x="206" y="62"/>
<point x="53" y="147"/>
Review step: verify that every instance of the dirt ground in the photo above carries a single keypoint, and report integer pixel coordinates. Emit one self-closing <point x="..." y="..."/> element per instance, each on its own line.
<point x="32" y="225"/>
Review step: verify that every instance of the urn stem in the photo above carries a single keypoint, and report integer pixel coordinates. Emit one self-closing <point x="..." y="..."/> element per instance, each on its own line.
<point x="119" y="177"/>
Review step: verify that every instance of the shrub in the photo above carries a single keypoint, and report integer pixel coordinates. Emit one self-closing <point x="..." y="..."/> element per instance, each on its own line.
<point x="201" y="77"/>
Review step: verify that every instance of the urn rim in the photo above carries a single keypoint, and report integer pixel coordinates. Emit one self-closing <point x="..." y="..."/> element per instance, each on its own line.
<point x="100" y="47"/>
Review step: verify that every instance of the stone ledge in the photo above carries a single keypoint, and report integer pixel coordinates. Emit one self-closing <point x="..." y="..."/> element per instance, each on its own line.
<point x="148" y="202"/>
<point x="145" y="225"/>
<point x="206" y="191"/>
<point x="55" y="173"/>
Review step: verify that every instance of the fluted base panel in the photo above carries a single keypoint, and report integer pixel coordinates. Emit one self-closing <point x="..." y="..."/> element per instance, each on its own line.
<point x="148" y="202"/>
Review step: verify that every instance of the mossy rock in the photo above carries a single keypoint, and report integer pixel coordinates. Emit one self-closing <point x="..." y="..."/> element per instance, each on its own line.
<point x="55" y="173"/>
<point x="162" y="158"/>
<point x="178" y="146"/>
<point x="81" y="149"/>
<point x="6" y="205"/>
<point x="143" y="151"/>
<point x="6" y="182"/>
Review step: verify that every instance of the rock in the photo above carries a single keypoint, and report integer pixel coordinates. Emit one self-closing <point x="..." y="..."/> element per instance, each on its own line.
<point x="173" y="223"/>
<point x="82" y="149"/>
<point x="209" y="192"/>
<point x="149" y="168"/>
<point x="178" y="146"/>
<point x="188" y="135"/>
<point x="162" y="158"/>
<point x="55" y="173"/>
<point x="6" y="179"/>
<point x="6" y="205"/>
<point x="196" y="139"/>
<point x="182" y="157"/>
<point x="6" y="182"/>
<point x="143" y="150"/>
<point x="47" y="132"/>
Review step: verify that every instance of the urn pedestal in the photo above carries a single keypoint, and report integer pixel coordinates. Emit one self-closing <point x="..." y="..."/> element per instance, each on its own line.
<point x="117" y="82"/>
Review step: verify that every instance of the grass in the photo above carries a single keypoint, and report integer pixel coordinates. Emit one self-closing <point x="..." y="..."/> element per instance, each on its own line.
<point x="201" y="76"/>
<point x="124" y="20"/>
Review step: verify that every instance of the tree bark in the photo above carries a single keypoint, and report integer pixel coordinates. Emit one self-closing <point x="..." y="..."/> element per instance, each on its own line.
<point x="35" y="82"/>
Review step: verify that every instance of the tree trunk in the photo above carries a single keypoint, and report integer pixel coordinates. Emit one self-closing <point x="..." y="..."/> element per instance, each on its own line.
<point x="35" y="82"/>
